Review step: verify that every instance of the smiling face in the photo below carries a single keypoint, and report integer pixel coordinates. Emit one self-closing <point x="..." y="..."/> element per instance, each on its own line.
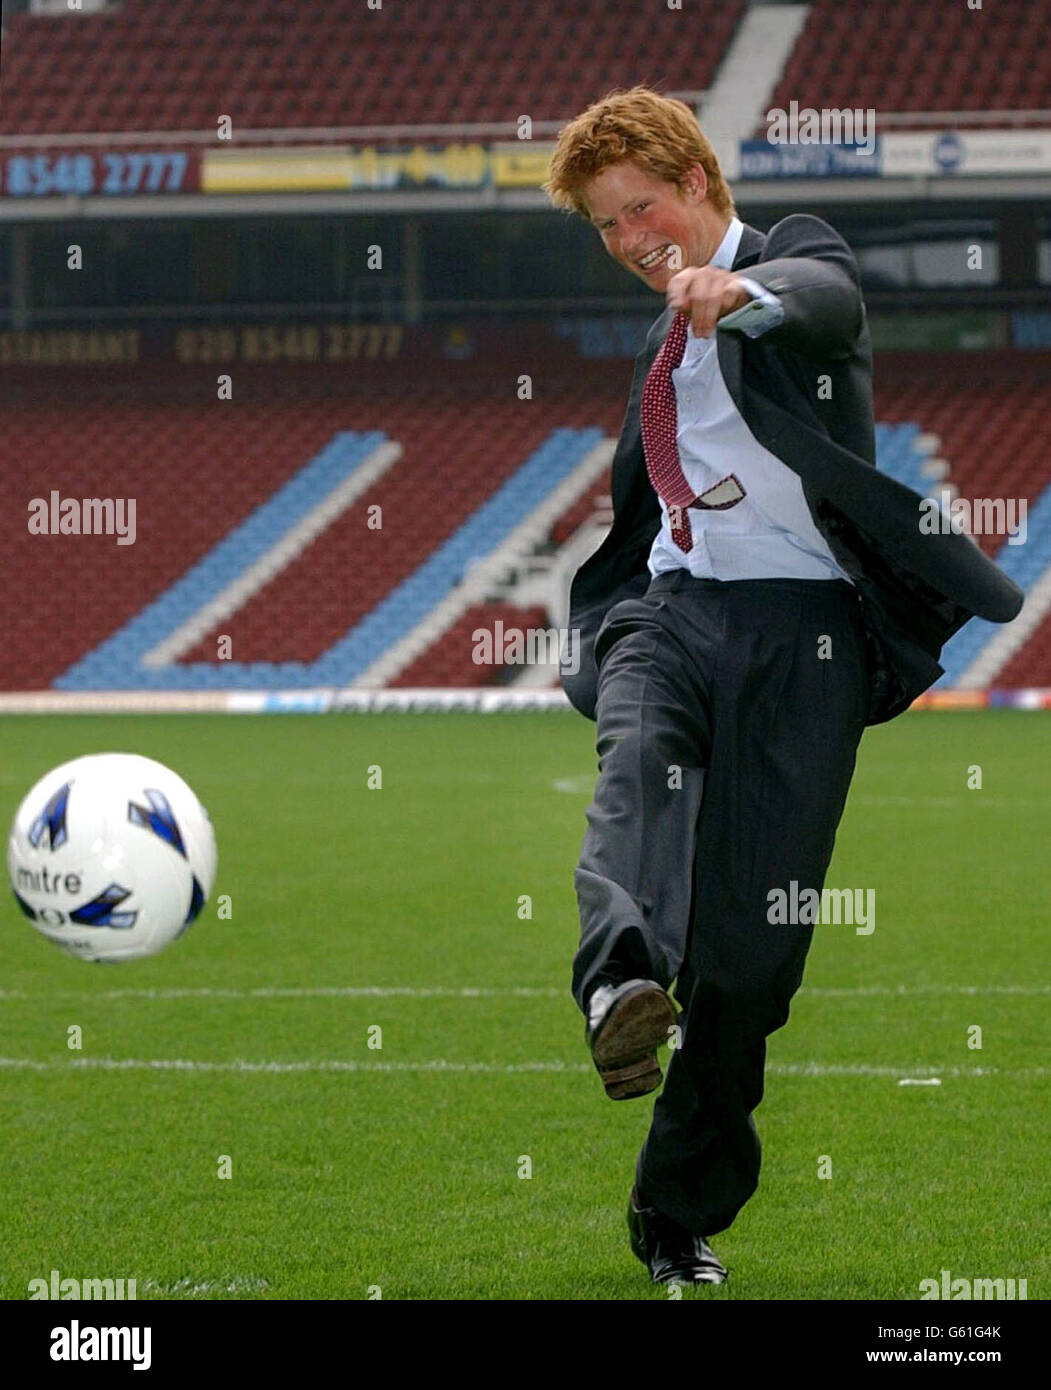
<point x="641" y="218"/>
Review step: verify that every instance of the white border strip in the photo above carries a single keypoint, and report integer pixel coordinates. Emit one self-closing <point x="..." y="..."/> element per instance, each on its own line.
<point x="499" y="700"/>
<point x="482" y="992"/>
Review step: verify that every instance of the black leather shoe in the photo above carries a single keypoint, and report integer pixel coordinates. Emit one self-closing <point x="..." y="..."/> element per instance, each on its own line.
<point x="626" y="1024"/>
<point x="671" y="1252"/>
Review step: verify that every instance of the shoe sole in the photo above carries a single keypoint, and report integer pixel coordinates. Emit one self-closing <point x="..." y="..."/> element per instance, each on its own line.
<point x="625" y="1048"/>
<point x="688" y="1279"/>
<point x="638" y="1079"/>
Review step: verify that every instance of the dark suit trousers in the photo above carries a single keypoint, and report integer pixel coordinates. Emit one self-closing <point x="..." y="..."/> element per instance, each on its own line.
<point x="728" y="719"/>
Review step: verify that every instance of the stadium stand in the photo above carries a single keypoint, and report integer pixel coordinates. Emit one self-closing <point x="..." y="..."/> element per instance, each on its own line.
<point x="252" y="519"/>
<point x="444" y="664"/>
<point x="218" y="487"/>
<point x="898" y="56"/>
<point x="174" y="66"/>
<point x="986" y="412"/>
<point x="201" y="480"/>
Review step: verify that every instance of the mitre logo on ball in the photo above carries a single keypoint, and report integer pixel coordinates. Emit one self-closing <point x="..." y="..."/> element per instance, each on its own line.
<point x="111" y="856"/>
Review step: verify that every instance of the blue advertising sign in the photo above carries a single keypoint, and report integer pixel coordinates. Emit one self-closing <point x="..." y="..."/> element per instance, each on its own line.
<point x="762" y="160"/>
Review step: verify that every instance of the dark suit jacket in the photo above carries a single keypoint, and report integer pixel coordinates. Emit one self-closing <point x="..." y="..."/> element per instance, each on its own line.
<point x="916" y="589"/>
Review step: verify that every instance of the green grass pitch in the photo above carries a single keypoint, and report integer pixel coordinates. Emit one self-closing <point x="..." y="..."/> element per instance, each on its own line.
<point x="393" y="1171"/>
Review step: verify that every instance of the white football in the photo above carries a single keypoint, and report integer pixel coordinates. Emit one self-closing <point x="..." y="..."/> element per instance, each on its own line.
<point x="111" y="856"/>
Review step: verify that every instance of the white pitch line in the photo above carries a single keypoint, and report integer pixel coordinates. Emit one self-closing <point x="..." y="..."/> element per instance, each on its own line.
<point x="951" y="802"/>
<point x="240" y="1283"/>
<point x="577" y="785"/>
<point x="819" y="1069"/>
<point x="907" y="991"/>
<point x="309" y="992"/>
<point x="241" y="1065"/>
<point x="584" y="782"/>
<point x="499" y="992"/>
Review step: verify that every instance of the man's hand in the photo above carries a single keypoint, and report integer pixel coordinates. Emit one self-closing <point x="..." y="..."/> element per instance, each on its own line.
<point x="707" y="294"/>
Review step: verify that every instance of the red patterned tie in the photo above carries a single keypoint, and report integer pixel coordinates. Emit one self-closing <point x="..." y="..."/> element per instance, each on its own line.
<point x="659" y="423"/>
<point x="660" y="418"/>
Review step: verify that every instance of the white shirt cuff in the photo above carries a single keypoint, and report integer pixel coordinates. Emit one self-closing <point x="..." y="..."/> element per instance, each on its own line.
<point x="764" y="312"/>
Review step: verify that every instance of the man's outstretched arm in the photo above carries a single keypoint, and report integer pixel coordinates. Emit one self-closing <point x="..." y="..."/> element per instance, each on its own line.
<point x="813" y="273"/>
<point x="804" y="294"/>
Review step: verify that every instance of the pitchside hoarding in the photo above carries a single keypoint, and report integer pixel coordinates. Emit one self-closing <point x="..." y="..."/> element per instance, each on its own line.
<point x="509" y="164"/>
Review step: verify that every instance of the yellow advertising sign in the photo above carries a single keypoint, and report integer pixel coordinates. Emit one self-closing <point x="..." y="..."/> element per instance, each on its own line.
<point x="311" y="170"/>
<point x="329" y="169"/>
<point x="521" y="165"/>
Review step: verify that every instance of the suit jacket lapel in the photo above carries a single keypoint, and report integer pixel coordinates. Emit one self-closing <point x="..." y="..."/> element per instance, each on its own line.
<point x="749" y="248"/>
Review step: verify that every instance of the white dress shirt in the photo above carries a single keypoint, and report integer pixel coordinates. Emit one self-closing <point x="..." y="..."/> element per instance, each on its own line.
<point x="769" y="533"/>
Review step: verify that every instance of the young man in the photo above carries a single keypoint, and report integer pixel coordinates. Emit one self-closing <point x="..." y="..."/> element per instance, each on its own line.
<point x="762" y="595"/>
